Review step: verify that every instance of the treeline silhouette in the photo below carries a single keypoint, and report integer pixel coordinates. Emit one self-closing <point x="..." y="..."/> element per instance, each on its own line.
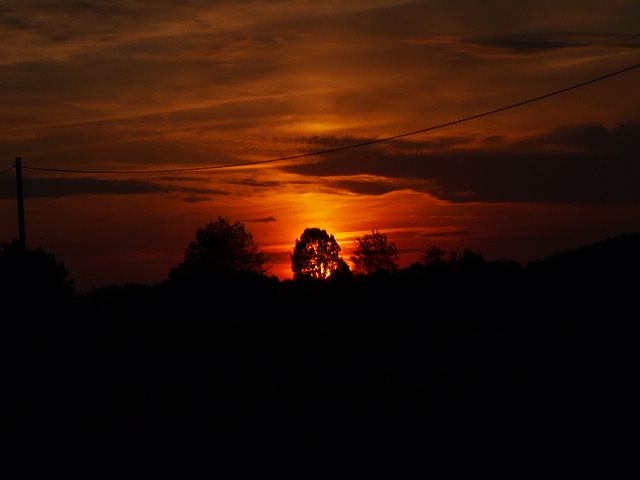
<point x="463" y="363"/>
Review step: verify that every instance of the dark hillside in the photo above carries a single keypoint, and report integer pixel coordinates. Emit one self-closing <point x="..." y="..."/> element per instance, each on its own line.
<point x="476" y="366"/>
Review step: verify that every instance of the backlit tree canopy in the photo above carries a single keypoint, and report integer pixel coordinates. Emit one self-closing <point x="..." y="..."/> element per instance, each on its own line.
<point x="316" y="254"/>
<point x="374" y="253"/>
<point x="221" y="249"/>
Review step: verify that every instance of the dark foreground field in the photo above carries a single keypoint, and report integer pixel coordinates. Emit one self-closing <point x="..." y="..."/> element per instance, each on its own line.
<point x="491" y="370"/>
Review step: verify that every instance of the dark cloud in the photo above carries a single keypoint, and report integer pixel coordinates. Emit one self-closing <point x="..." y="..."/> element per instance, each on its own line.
<point x="59" y="187"/>
<point x="268" y="219"/>
<point x="621" y="139"/>
<point x="365" y="187"/>
<point x="252" y="182"/>
<point x="43" y="187"/>
<point x="87" y="17"/>
<point x="582" y="164"/>
<point x="451" y="233"/>
<point x="179" y="178"/>
<point x="525" y="44"/>
<point x="14" y="22"/>
<point x="535" y="43"/>
<point x="195" y="199"/>
<point x="195" y="191"/>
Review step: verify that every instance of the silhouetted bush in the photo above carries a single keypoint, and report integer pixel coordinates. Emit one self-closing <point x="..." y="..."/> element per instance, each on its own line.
<point x="222" y="249"/>
<point x="601" y="273"/>
<point x="32" y="275"/>
<point x="374" y="253"/>
<point x="610" y="259"/>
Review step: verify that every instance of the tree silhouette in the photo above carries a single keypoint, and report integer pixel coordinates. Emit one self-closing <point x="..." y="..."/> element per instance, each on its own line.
<point x="433" y="255"/>
<point x="472" y="259"/>
<point x="221" y="249"/>
<point x="374" y="253"/>
<point x="35" y="273"/>
<point x="316" y="254"/>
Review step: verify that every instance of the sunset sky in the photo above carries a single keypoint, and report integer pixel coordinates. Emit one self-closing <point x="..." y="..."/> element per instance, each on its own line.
<point x="147" y="85"/>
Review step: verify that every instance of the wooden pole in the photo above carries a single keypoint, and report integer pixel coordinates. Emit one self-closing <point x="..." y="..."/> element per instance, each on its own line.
<point x="21" y="226"/>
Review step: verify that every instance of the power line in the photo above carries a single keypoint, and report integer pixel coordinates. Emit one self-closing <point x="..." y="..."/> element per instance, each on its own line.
<point x="351" y="146"/>
<point x="5" y="171"/>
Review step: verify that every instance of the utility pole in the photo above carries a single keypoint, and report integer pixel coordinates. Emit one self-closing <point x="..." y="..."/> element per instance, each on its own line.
<point x="21" y="227"/>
